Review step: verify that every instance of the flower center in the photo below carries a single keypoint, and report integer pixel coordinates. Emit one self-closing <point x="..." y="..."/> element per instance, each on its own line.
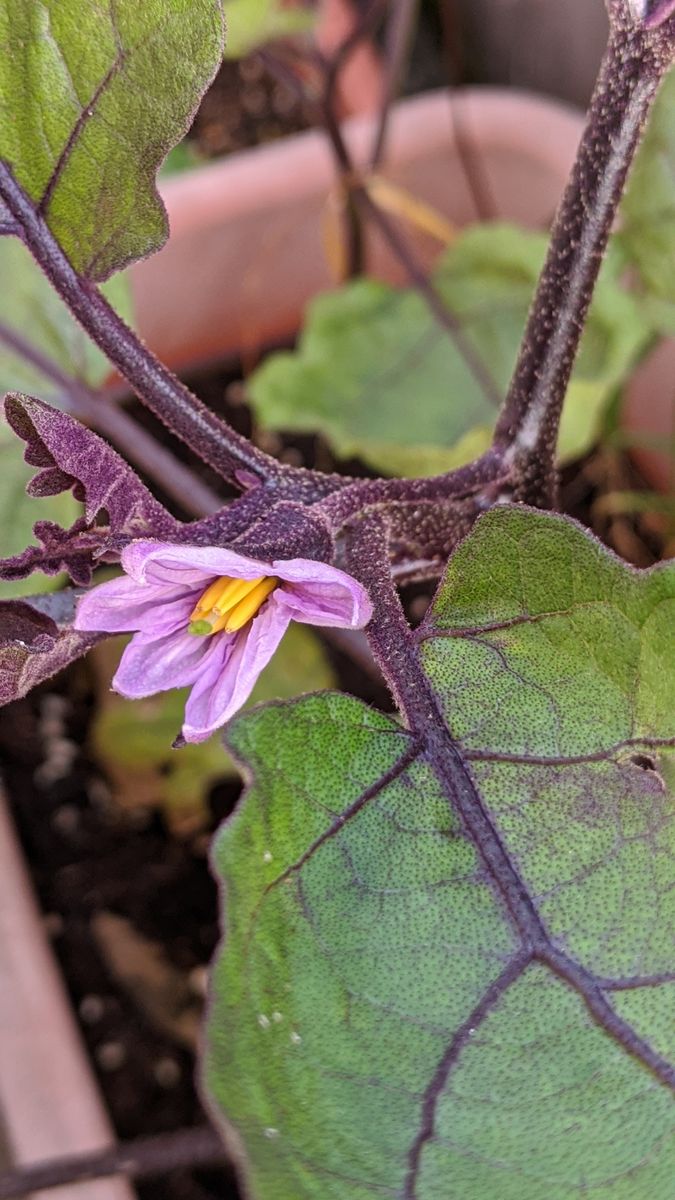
<point x="229" y="603"/>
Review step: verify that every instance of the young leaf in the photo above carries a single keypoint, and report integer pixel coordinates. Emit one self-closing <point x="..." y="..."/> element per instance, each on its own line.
<point x="449" y="960"/>
<point x="132" y="738"/>
<point x="69" y="456"/>
<point x="378" y="377"/>
<point x="92" y="96"/>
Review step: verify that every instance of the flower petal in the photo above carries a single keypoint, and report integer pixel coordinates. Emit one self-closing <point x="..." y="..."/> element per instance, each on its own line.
<point x="318" y="594"/>
<point x="166" y="563"/>
<point x="218" y="694"/>
<point x="151" y="664"/>
<point x="120" y="605"/>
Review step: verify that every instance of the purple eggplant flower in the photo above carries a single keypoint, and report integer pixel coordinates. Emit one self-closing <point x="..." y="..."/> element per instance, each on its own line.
<point x="211" y="618"/>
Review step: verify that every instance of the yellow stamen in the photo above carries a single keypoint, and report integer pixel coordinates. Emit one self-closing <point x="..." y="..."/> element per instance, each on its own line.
<point x="247" y="608"/>
<point x="229" y="604"/>
<point x="222" y="595"/>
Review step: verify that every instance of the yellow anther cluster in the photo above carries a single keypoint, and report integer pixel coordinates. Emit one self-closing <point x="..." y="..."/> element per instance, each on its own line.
<point x="229" y="603"/>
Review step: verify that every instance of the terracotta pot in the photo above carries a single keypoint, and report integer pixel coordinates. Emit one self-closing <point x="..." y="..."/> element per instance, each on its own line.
<point x="50" y="1106"/>
<point x="246" y="250"/>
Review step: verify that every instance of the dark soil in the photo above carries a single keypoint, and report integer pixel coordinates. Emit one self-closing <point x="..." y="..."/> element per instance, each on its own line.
<point x="245" y="107"/>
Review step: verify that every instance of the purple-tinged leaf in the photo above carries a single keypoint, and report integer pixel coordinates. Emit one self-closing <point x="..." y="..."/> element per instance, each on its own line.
<point x="117" y="506"/>
<point x="74" y="550"/>
<point x="37" y="640"/>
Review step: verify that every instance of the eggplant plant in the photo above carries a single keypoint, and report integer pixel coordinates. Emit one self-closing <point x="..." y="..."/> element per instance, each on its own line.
<point x="448" y="960"/>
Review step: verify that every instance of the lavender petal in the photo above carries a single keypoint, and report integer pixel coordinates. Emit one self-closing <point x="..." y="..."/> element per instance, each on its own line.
<point x="219" y="693"/>
<point x="120" y="605"/>
<point x="168" y="563"/>
<point x="323" y="595"/>
<point x="151" y="664"/>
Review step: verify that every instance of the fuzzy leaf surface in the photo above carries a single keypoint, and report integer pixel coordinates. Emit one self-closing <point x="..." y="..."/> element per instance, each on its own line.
<point x="19" y="512"/>
<point x="377" y="376"/>
<point x="92" y="96"/>
<point x="449" y="961"/>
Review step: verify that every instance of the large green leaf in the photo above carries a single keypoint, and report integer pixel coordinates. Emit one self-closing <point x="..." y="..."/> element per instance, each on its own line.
<point x="132" y="738"/>
<point x="92" y="96"/>
<point x="378" y="377"/>
<point x="449" y="963"/>
<point x="647" y="232"/>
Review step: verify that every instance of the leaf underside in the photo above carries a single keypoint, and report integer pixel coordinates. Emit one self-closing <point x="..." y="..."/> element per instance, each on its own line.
<point x="449" y="963"/>
<point x="92" y="97"/>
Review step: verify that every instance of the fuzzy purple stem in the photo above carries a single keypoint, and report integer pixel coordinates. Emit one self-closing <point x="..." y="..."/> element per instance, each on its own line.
<point x="216" y="444"/>
<point x="527" y="430"/>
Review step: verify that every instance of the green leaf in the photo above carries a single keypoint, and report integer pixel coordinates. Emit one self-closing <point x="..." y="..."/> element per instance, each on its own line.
<point x="378" y="378"/>
<point x="131" y="738"/>
<point x="252" y="23"/>
<point x="449" y="965"/>
<point x="647" y="231"/>
<point x="92" y="96"/>
<point x="31" y="308"/>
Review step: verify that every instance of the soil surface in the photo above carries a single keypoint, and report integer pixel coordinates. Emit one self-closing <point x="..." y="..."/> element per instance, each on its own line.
<point x="245" y="107"/>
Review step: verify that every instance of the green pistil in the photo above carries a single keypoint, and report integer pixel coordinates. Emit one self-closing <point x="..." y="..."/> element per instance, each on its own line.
<point x="199" y="628"/>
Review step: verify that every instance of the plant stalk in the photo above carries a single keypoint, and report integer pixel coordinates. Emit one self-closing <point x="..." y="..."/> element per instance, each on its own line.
<point x="527" y="429"/>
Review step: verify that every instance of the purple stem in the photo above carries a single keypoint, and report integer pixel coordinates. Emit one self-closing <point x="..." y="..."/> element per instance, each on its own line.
<point x="139" y="1159"/>
<point x="177" y="480"/>
<point x="211" y="438"/>
<point x="398" y="37"/>
<point x="485" y="476"/>
<point x="527" y="430"/>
